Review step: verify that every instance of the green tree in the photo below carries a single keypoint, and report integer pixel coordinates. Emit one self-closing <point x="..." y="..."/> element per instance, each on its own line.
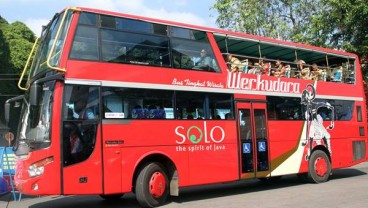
<point x="4" y="49"/>
<point x="16" y="42"/>
<point x="282" y="19"/>
<point x="344" y="25"/>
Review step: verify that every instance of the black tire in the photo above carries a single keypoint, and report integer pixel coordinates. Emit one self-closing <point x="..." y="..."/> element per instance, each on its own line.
<point x="111" y="197"/>
<point x="319" y="167"/>
<point x="152" y="186"/>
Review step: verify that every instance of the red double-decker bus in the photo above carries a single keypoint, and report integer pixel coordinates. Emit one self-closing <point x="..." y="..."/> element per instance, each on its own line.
<point x="118" y="103"/>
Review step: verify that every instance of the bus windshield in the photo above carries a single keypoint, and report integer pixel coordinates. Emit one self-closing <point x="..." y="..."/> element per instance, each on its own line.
<point x="36" y="119"/>
<point x="49" y="37"/>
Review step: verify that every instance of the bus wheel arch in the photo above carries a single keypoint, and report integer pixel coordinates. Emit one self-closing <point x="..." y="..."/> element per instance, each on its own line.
<point x="160" y="169"/>
<point x="319" y="166"/>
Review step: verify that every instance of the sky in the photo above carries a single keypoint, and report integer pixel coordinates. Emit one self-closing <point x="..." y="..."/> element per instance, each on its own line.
<point x="35" y="13"/>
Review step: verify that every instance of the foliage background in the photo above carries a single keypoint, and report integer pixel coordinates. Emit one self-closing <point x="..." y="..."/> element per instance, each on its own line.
<point x="16" y="41"/>
<point x="338" y="24"/>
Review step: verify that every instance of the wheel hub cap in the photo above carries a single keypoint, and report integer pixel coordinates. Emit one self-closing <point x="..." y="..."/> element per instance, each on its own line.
<point x="321" y="166"/>
<point x="157" y="184"/>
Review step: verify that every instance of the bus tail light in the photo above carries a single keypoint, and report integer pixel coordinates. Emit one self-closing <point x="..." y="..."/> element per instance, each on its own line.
<point x="37" y="168"/>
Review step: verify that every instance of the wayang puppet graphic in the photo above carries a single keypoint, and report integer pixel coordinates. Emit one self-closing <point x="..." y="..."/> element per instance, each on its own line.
<point x="317" y="133"/>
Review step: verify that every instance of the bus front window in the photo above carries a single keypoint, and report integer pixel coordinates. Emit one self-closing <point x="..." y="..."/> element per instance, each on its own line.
<point x="35" y="129"/>
<point x="49" y="37"/>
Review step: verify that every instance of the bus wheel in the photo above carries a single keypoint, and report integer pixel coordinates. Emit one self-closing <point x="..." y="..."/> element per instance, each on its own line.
<point x="152" y="186"/>
<point x="111" y="197"/>
<point x="319" y="167"/>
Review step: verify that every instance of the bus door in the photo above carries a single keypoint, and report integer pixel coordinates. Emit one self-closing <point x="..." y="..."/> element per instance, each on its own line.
<point x="81" y="141"/>
<point x="254" y="145"/>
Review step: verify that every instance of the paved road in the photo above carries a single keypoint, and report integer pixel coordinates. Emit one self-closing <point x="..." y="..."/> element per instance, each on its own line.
<point x="347" y="188"/>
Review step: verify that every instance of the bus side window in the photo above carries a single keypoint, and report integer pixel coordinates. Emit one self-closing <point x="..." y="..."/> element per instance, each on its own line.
<point x="130" y="103"/>
<point x="190" y="105"/>
<point x="220" y="106"/>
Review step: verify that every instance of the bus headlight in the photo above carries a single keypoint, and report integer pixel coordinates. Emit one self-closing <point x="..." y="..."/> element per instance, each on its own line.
<point x="37" y="168"/>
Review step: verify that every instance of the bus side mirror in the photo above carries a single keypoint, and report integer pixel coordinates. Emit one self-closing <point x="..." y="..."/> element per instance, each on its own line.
<point x="7" y="113"/>
<point x="34" y="94"/>
<point x="7" y="107"/>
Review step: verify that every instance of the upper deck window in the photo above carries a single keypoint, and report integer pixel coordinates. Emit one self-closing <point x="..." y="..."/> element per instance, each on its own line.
<point x="122" y="40"/>
<point x="108" y="21"/>
<point x="192" y="50"/>
<point x="87" y="19"/>
<point x="85" y="45"/>
<point x="125" y="47"/>
<point x="185" y="33"/>
<point x="132" y="25"/>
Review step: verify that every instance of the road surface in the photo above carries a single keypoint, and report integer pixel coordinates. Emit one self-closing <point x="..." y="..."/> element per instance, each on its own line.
<point x="347" y="188"/>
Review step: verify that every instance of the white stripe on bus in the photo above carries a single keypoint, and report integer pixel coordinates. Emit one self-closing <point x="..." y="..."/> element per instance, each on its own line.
<point x="105" y="83"/>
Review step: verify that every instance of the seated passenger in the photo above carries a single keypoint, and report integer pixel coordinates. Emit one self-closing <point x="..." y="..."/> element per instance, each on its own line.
<point x="81" y="111"/>
<point x="205" y="62"/>
<point x="256" y="69"/>
<point x="304" y="71"/>
<point x="316" y="73"/>
<point x="280" y="70"/>
<point x="76" y="146"/>
<point x="72" y="143"/>
<point x="234" y="63"/>
<point x="261" y="65"/>
<point x="266" y="68"/>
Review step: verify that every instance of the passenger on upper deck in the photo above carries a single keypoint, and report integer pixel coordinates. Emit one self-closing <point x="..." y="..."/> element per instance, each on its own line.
<point x="265" y="67"/>
<point x="280" y="69"/>
<point x="235" y="63"/>
<point x="205" y="62"/>
<point x="256" y="69"/>
<point x="316" y="73"/>
<point x="304" y="71"/>
<point x="261" y="66"/>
